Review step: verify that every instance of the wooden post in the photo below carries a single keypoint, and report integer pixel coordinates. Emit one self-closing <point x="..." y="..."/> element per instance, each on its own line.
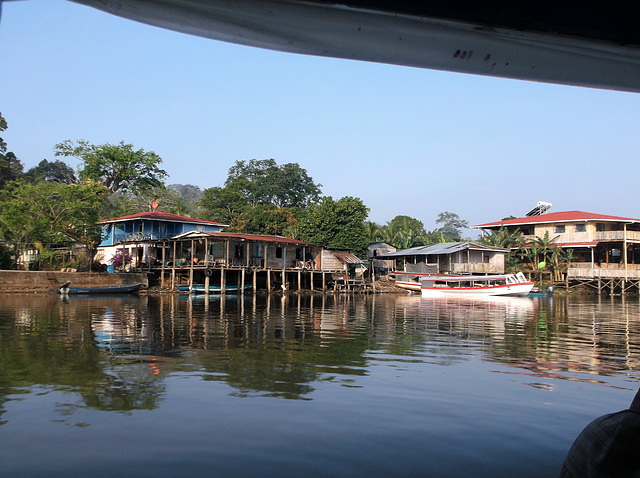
<point x="162" y="267"/>
<point x="299" y="279"/>
<point x="269" y="280"/>
<point x="625" y="254"/>
<point x="191" y="267"/>
<point x="255" y="280"/>
<point x="241" y="291"/>
<point x="222" y="282"/>
<point x="173" y="268"/>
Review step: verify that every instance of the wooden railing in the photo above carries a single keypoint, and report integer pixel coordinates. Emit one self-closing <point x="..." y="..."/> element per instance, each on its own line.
<point x="588" y="237"/>
<point x="617" y="236"/>
<point x="606" y="271"/>
<point x="474" y="269"/>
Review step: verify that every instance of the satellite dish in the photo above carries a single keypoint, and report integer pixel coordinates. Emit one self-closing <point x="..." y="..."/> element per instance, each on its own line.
<point x="540" y="208"/>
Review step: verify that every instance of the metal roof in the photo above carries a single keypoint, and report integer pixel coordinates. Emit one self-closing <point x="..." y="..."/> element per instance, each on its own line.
<point x="565" y="216"/>
<point x="239" y="236"/>
<point x="442" y="248"/>
<point x="160" y="216"/>
<point x="348" y="258"/>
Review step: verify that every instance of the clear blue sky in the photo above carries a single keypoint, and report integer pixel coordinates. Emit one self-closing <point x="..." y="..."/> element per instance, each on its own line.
<point x="406" y="141"/>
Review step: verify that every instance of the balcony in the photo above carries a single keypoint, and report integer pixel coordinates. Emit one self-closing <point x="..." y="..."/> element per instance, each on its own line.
<point x="632" y="236"/>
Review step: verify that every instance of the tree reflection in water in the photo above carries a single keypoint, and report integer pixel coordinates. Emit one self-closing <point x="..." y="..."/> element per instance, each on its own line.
<point x="117" y="352"/>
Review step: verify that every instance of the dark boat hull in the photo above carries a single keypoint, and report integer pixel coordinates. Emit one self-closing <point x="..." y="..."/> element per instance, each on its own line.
<point x="116" y="289"/>
<point x="213" y="289"/>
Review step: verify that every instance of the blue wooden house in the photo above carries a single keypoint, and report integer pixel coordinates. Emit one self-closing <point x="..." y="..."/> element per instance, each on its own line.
<point x="133" y="234"/>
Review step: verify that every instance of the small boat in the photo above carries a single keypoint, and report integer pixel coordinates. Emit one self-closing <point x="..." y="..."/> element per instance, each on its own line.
<point x="411" y="280"/>
<point x="213" y="289"/>
<point x="537" y="292"/>
<point x="505" y="284"/>
<point x="113" y="289"/>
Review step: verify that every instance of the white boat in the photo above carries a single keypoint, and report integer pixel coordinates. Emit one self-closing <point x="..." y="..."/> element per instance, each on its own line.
<point x="477" y="286"/>
<point x="411" y="280"/>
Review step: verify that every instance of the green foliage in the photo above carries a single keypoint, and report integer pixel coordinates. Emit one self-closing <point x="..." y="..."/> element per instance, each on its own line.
<point x="266" y="219"/>
<point x="403" y="232"/>
<point x="7" y="258"/>
<point x="123" y="204"/>
<point x="222" y="204"/>
<point x="451" y="225"/>
<point x="118" y="167"/>
<point x="52" y="213"/>
<point x="10" y="165"/>
<point x="56" y="171"/>
<point x="264" y="182"/>
<point x="336" y="224"/>
<point x="502" y="238"/>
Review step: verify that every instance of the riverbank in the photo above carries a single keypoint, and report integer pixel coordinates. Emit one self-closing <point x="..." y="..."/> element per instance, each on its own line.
<point x="46" y="281"/>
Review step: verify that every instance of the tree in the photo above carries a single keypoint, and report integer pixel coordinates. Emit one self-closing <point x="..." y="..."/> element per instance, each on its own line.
<point x="266" y="219"/>
<point x="336" y="224"/>
<point x="122" y="204"/>
<point x="10" y="165"/>
<point x="56" y="171"/>
<point x="53" y="213"/>
<point x="119" y="167"/>
<point x="451" y="225"/>
<point x="502" y="238"/>
<point x="264" y="182"/>
<point x="222" y="204"/>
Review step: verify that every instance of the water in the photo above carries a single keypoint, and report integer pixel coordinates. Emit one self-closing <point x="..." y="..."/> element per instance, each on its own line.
<point x="389" y="385"/>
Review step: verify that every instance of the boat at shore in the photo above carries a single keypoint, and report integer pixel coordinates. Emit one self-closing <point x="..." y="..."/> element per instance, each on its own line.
<point x="213" y="289"/>
<point x="66" y="289"/>
<point x="411" y="280"/>
<point x="477" y="286"/>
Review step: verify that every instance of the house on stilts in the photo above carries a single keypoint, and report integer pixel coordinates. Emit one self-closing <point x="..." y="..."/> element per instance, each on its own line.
<point x="606" y="249"/>
<point x="193" y="255"/>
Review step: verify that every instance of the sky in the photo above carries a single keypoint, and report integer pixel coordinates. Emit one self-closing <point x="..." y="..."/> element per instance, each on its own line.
<point x="406" y="141"/>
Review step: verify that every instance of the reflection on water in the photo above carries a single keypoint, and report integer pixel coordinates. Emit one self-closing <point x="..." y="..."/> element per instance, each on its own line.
<point x="436" y="373"/>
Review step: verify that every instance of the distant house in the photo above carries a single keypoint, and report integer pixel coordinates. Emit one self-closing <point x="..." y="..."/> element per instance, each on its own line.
<point x="377" y="249"/>
<point x="597" y="240"/>
<point x="446" y="258"/>
<point x="133" y="233"/>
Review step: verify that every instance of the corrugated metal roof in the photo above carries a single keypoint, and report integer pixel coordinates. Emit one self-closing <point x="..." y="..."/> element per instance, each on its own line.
<point x="442" y="248"/>
<point x="160" y="216"/>
<point x="566" y="216"/>
<point x="240" y="236"/>
<point x="348" y="258"/>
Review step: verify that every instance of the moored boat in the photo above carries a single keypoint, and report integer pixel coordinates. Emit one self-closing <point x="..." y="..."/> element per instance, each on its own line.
<point x="113" y="289"/>
<point x="411" y="280"/>
<point x="213" y="289"/>
<point x="489" y="285"/>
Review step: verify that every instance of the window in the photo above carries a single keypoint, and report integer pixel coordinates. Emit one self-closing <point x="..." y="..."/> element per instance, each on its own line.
<point x="599" y="227"/>
<point x="581" y="228"/>
<point x="559" y="229"/>
<point x="279" y="252"/>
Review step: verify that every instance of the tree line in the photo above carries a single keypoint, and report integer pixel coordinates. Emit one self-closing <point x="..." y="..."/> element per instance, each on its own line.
<point x="51" y="207"/>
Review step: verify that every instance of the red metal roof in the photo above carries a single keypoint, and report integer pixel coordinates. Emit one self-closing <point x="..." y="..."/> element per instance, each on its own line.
<point x="566" y="216"/>
<point x="246" y="237"/>
<point x="348" y="258"/>
<point x="160" y="216"/>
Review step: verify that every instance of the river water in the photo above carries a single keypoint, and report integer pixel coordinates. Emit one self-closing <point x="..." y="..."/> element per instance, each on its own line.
<point x="334" y="385"/>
